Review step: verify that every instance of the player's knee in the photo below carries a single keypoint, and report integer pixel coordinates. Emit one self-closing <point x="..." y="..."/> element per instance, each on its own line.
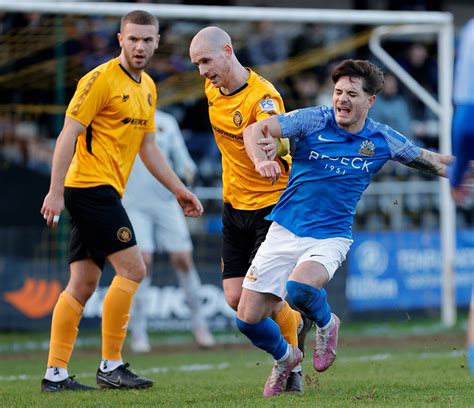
<point x="136" y="273"/>
<point x="140" y="272"/>
<point x="244" y="327"/>
<point x="300" y="294"/>
<point x="82" y="291"/>
<point x="182" y="261"/>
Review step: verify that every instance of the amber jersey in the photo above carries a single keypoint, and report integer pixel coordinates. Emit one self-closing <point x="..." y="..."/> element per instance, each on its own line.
<point x="117" y="111"/>
<point x="243" y="187"/>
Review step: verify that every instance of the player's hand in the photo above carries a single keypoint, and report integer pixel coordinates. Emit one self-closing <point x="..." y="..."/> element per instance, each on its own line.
<point x="460" y="194"/>
<point x="268" y="143"/>
<point x="269" y="169"/>
<point x="190" y="204"/>
<point x="53" y="205"/>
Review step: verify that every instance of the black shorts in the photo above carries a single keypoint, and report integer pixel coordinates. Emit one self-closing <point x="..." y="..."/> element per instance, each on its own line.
<point x="99" y="223"/>
<point x="242" y="233"/>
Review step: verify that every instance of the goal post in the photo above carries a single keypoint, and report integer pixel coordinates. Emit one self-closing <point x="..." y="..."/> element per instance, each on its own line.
<point x="439" y="23"/>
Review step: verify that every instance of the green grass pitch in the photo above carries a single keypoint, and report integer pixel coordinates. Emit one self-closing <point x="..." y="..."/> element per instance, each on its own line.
<point x="374" y="368"/>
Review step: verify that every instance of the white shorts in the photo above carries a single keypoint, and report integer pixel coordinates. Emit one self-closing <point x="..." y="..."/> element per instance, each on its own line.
<point x="282" y="251"/>
<point x="161" y="228"/>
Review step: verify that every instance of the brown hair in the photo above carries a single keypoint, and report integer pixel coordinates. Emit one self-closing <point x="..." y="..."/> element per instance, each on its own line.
<point x="139" y="17"/>
<point x="371" y="74"/>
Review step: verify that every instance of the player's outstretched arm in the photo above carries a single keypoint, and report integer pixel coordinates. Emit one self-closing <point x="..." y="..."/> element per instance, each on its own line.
<point x="53" y="203"/>
<point x="431" y="162"/>
<point x="157" y="165"/>
<point x="253" y="135"/>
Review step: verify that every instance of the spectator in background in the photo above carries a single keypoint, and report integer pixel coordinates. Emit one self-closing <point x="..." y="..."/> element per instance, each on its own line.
<point x="423" y="68"/>
<point x="160" y="225"/>
<point x="265" y="44"/>
<point x="305" y="87"/>
<point x="463" y="141"/>
<point x="392" y="108"/>
<point x="97" y="51"/>
<point x="310" y="38"/>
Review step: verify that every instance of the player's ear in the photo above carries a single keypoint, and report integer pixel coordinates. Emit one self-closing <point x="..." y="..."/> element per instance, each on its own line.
<point x="228" y="51"/>
<point x="371" y="101"/>
<point x="157" y="41"/>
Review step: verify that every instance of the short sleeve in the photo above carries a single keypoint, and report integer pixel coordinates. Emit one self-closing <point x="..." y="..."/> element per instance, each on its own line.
<point x="91" y="96"/>
<point x="298" y="123"/>
<point x="269" y="105"/>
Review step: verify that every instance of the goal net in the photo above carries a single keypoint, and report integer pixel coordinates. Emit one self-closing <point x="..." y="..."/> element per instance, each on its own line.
<point x="403" y="255"/>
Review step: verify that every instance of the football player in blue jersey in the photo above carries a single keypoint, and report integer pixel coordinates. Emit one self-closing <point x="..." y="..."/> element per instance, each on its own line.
<point x="336" y="152"/>
<point x="463" y="142"/>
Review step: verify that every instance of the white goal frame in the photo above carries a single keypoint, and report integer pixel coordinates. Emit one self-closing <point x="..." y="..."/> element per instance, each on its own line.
<point x="411" y="22"/>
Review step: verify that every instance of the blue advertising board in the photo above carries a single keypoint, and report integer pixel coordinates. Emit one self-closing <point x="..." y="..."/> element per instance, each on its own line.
<point x="402" y="270"/>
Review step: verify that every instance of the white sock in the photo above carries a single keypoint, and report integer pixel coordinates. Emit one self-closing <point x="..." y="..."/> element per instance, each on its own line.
<point x="328" y="325"/>
<point x="286" y="355"/>
<point x="56" y="374"/>
<point x="110" y="365"/>
<point x="191" y="285"/>
<point x="138" y="324"/>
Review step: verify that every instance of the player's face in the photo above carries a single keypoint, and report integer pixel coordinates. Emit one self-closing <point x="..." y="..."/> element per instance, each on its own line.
<point x="212" y="64"/>
<point x="138" y="43"/>
<point x="351" y="103"/>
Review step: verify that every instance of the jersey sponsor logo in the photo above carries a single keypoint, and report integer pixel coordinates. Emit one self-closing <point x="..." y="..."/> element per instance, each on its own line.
<point x="357" y="163"/>
<point x="367" y="148"/>
<point x="268" y="105"/>
<point x="135" y="121"/>
<point x="323" y="139"/>
<point x="84" y="93"/>
<point x="124" y="234"/>
<point x="237" y="118"/>
<point x="222" y="132"/>
<point x="125" y="98"/>
<point x="36" y="298"/>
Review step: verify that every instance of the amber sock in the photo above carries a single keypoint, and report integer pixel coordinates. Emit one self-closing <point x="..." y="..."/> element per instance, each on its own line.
<point x="115" y="316"/>
<point x="288" y="320"/>
<point x="64" y="328"/>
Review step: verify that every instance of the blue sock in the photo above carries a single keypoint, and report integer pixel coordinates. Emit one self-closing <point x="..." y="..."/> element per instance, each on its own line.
<point x="470" y="357"/>
<point x="265" y="335"/>
<point x="311" y="301"/>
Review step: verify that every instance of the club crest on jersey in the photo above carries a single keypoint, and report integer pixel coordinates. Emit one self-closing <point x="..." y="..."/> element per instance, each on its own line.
<point x="124" y="234"/>
<point x="237" y="118"/>
<point x="251" y="274"/>
<point x="150" y="100"/>
<point x="367" y="148"/>
<point x="268" y="105"/>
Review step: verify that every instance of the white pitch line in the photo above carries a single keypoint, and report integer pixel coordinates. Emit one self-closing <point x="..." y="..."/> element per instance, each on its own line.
<point x="152" y="370"/>
<point x="388" y="356"/>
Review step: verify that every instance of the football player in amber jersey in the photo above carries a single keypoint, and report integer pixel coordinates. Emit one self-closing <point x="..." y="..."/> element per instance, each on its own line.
<point x="238" y="97"/>
<point x="109" y="120"/>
